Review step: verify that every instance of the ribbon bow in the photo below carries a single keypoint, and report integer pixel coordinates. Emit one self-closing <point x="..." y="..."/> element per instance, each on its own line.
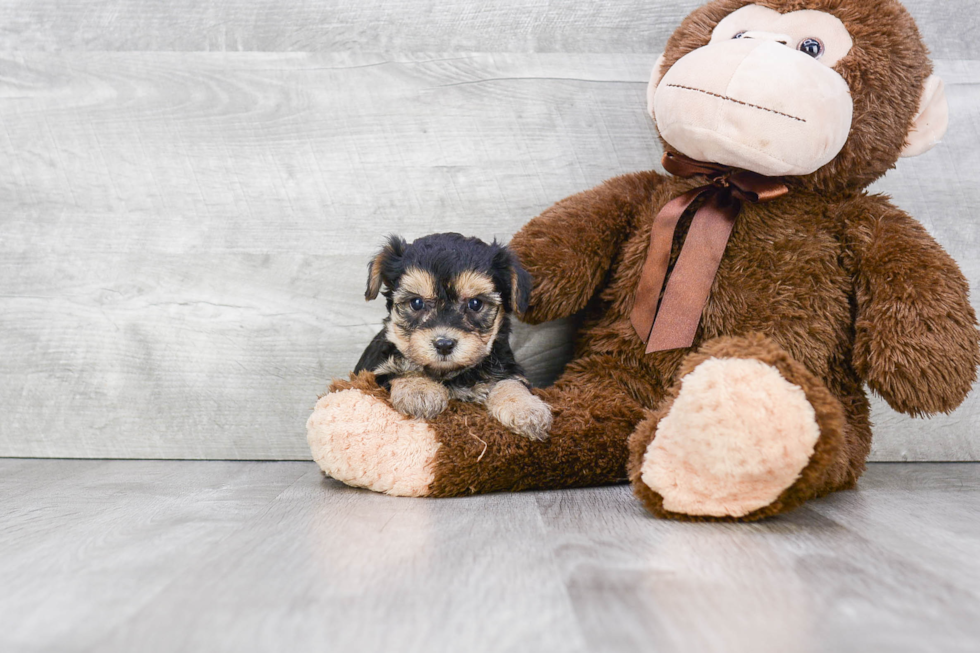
<point x="673" y="324"/>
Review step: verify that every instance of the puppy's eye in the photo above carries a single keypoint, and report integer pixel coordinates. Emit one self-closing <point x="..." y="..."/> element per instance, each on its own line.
<point x="812" y="47"/>
<point x="739" y="35"/>
<point x="417" y="304"/>
<point x="475" y="305"/>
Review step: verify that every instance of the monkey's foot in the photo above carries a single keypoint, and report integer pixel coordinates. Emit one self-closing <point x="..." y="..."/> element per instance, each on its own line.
<point x="738" y="438"/>
<point x="358" y="438"/>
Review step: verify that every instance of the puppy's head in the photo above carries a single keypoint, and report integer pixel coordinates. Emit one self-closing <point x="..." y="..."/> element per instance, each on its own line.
<point x="448" y="297"/>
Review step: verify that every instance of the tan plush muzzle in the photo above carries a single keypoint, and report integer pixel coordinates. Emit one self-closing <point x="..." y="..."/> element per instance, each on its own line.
<point x="754" y="103"/>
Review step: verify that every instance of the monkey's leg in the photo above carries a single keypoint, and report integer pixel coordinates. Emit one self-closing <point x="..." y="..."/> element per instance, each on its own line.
<point x="356" y="437"/>
<point x="745" y="433"/>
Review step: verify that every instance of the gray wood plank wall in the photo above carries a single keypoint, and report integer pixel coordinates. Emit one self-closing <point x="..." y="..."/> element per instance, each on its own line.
<point x="192" y="189"/>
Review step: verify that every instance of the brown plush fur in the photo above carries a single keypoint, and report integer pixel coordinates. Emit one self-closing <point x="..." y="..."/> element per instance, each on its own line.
<point x="831" y="286"/>
<point x="593" y="420"/>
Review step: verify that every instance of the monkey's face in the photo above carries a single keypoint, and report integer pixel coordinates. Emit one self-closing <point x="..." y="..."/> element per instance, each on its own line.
<point x="762" y="95"/>
<point x="826" y="92"/>
<point x="445" y="324"/>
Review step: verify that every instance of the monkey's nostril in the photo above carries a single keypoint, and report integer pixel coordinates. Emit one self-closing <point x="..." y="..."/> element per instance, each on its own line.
<point x="444" y="346"/>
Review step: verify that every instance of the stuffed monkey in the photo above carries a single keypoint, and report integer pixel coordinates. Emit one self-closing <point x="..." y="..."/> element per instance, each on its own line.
<point x="734" y="310"/>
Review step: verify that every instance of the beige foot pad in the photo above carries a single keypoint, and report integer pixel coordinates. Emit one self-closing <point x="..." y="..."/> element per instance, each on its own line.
<point x="737" y="435"/>
<point x="364" y="442"/>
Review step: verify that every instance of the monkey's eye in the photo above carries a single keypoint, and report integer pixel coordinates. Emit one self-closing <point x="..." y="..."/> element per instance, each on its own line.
<point x="475" y="305"/>
<point x="812" y="47"/>
<point x="739" y="35"/>
<point x="417" y="304"/>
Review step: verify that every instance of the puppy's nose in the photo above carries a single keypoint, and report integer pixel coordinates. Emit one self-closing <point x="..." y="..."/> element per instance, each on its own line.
<point x="444" y="345"/>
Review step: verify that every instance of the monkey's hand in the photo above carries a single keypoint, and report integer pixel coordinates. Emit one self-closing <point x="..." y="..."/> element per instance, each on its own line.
<point x="570" y="247"/>
<point x="916" y="340"/>
<point x="513" y="405"/>
<point x="419" y="396"/>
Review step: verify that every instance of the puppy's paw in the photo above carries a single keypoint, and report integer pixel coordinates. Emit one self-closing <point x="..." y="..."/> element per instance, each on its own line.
<point x="418" y="396"/>
<point x="513" y="405"/>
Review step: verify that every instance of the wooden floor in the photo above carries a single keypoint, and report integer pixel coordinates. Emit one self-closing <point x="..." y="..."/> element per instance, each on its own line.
<point x="269" y="556"/>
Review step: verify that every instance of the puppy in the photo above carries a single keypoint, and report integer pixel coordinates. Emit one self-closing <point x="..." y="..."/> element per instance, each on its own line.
<point x="447" y="331"/>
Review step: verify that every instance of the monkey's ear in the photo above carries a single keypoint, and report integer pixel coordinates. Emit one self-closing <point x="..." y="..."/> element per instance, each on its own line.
<point x="655" y="76"/>
<point x="929" y="125"/>
<point x="383" y="268"/>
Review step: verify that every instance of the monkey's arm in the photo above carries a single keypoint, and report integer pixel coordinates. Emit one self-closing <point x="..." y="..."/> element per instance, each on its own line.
<point x="916" y="340"/>
<point x="569" y="248"/>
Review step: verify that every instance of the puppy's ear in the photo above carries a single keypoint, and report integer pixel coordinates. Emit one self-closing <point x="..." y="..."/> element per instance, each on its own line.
<point x="385" y="266"/>
<point x="518" y="281"/>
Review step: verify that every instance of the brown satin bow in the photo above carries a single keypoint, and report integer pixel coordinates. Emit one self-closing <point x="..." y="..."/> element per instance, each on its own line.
<point x="673" y="324"/>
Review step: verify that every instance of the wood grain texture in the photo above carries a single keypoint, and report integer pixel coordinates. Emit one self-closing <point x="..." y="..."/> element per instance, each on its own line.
<point x="832" y="576"/>
<point x="216" y="556"/>
<point x="183" y="236"/>
<point x="87" y="550"/>
<point x="574" y="26"/>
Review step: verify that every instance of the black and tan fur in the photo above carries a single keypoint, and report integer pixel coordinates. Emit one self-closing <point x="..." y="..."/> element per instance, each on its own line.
<point x="448" y="327"/>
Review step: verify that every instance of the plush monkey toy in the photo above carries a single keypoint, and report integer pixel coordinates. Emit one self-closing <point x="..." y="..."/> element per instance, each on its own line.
<point x="734" y="310"/>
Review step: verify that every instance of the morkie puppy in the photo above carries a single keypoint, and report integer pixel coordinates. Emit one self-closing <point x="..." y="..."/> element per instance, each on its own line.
<point x="447" y="331"/>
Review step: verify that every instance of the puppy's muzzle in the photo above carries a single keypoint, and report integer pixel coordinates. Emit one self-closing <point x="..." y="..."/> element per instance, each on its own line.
<point x="444" y="345"/>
